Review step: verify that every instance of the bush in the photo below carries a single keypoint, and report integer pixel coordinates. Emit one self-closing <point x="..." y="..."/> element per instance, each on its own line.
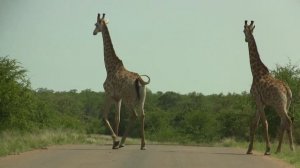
<point x="16" y="97"/>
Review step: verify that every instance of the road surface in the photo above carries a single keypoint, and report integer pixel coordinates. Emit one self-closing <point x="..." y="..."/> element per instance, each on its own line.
<point x="156" y="156"/>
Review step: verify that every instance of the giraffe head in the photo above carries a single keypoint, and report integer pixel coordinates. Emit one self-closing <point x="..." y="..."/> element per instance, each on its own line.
<point x="100" y="23"/>
<point x="248" y="30"/>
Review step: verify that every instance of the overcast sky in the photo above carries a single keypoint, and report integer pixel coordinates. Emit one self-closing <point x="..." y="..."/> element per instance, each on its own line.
<point x="184" y="46"/>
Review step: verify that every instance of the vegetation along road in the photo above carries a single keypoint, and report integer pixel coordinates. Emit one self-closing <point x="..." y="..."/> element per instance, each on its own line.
<point x="97" y="156"/>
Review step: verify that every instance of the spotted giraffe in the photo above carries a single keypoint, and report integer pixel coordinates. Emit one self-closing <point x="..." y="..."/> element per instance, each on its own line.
<point x="120" y="86"/>
<point x="267" y="91"/>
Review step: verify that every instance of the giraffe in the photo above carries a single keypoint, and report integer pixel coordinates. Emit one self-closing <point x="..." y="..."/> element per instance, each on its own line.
<point x="120" y="86"/>
<point x="267" y="91"/>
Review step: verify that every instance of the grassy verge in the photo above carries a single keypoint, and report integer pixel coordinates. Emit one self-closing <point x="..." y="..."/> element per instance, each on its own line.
<point x="291" y="157"/>
<point x="15" y="142"/>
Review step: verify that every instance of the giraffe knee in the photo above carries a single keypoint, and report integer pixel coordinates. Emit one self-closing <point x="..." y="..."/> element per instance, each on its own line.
<point x="142" y="115"/>
<point x="134" y="116"/>
<point x="104" y="116"/>
<point x="117" y="118"/>
<point x="288" y="122"/>
<point x="289" y="126"/>
<point x="265" y="123"/>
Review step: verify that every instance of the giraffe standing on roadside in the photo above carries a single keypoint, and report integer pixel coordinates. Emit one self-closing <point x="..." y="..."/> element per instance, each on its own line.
<point x="267" y="91"/>
<point x="121" y="85"/>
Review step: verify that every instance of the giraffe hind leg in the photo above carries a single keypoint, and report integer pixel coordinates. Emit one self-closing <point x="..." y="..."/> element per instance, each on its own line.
<point x="286" y="124"/>
<point x="143" y="144"/>
<point x="289" y="132"/>
<point x="281" y="134"/>
<point x="142" y="117"/>
<point x="290" y="122"/>
<point x="266" y="132"/>
<point x="117" y="116"/>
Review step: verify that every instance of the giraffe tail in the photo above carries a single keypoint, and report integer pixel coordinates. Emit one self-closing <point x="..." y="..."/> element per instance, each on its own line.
<point x="137" y="88"/>
<point x="142" y="81"/>
<point x="139" y="81"/>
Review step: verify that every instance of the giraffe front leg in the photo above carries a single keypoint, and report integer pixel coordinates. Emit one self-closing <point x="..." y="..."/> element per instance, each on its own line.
<point x="117" y="116"/>
<point x="253" y="127"/>
<point x="266" y="132"/>
<point x="281" y="133"/>
<point x="107" y="106"/>
<point x="129" y="127"/>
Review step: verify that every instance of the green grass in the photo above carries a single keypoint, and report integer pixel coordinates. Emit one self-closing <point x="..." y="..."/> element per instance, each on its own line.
<point x="15" y="142"/>
<point x="291" y="157"/>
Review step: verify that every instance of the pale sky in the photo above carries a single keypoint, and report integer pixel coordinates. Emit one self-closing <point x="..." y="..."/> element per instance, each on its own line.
<point x="184" y="46"/>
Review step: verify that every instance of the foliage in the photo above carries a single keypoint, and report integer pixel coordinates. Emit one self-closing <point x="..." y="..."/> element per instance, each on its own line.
<point x="16" y="96"/>
<point x="291" y="75"/>
<point x="170" y="116"/>
<point x="70" y="110"/>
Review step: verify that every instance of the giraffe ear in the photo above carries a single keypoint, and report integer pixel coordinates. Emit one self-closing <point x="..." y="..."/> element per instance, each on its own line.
<point x="106" y="21"/>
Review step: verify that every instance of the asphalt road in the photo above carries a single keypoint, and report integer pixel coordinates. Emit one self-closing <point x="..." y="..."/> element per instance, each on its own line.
<point x="156" y="156"/>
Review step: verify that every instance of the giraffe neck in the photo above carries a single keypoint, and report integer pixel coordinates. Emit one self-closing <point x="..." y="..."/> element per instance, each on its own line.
<point x="112" y="62"/>
<point x="258" y="68"/>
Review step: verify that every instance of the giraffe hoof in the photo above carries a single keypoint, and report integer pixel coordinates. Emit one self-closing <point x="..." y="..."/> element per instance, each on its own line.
<point x="121" y="145"/>
<point x="268" y="151"/>
<point x="143" y="148"/>
<point x="116" y="145"/>
<point x="249" y="153"/>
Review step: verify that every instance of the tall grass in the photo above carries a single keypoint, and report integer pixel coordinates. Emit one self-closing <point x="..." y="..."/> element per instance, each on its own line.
<point x="15" y="142"/>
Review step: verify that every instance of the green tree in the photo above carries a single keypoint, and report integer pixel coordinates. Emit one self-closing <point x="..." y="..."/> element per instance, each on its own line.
<point x="16" y="96"/>
<point x="290" y="73"/>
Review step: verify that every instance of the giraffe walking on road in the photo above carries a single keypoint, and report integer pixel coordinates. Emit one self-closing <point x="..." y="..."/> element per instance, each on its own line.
<point x="120" y="86"/>
<point x="267" y="91"/>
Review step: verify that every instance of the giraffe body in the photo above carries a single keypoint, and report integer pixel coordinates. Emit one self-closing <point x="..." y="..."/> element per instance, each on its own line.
<point x="120" y="86"/>
<point x="267" y="91"/>
<point x="272" y="92"/>
<point x="114" y="87"/>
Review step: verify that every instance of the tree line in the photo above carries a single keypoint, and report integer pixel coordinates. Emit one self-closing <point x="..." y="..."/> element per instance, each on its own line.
<point x="170" y="116"/>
